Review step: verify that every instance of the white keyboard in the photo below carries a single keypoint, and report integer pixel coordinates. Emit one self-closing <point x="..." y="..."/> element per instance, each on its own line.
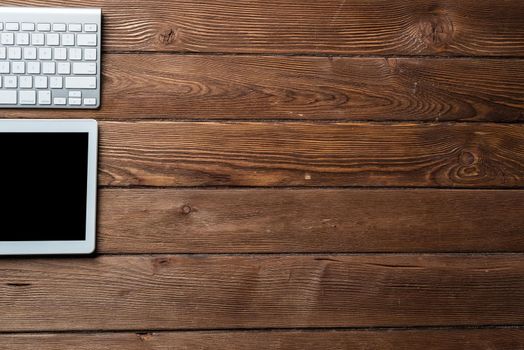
<point x="49" y="57"/>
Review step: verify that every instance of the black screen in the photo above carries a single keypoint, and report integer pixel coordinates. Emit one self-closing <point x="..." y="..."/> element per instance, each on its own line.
<point x="43" y="186"/>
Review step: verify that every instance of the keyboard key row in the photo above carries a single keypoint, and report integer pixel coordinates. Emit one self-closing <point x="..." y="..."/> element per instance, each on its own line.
<point x="30" y="97"/>
<point x="47" y="53"/>
<point x="45" y="82"/>
<point x="51" y="39"/>
<point x="47" y="27"/>
<point x="63" y="68"/>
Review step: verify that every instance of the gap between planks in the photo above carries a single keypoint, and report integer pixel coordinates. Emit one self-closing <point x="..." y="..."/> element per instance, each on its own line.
<point x="307" y="54"/>
<point x="274" y="330"/>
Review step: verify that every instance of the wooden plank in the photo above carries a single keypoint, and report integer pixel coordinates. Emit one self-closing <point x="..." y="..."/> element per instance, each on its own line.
<point x="339" y="220"/>
<point x="468" y="27"/>
<point x="254" y="87"/>
<point x="438" y="339"/>
<point x="311" y="154"/>
<point x="224" y="292"/>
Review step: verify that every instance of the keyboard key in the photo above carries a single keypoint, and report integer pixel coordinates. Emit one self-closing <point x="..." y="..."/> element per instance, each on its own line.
<point x="18" y="67"/>
<point x="4" y="67"/>
<point x="90" y="101"/>
<point x="22" y="39"/>
<point x="48" y="68"/>
<point x="44" y="97"/>
<point x="75" y="54"/>
<point x="33" y="67"/>
<point x="29" y="53"/>
<point x="86" y="39"/>
<point x="75" y="27"/>
<point x="29" y="27"/>
<point x="37" y="39"/>
<point x="44" y="53"/>
<point x="3" y="53"/>
<point x="43" y="27"/>
<point x="60" y="53"/>
<point x="12" y="26"/>
<point x="59" y="27"/>
<point x="75" y="101"/>
<point x="56" y="82"/>
<point x="68" y="39"/>
<point x="90" y="54"/>
<point x="80" y="82"/>
<point x="41" y="82"/>
<point x="14" y="53"/>
<point x="84" y="68"/>
<point x="7" y="39"/>
<point x="64" y="68"/>
<point x="10" y="81"/>
<point x="26" y="82"/>
<point x="90" y="27"/>
<point x="75" y="93"/>
<point x="52" y="39"/>
<point x="8" y="97"/>
<point x="59" y="101"/>
<point x="27" y="97"/>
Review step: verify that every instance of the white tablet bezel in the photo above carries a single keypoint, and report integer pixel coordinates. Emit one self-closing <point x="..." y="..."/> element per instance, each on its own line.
<point x="86" y="246"/>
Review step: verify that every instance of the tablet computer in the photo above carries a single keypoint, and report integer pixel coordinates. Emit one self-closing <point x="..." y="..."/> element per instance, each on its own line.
<point x="47" y="186"/>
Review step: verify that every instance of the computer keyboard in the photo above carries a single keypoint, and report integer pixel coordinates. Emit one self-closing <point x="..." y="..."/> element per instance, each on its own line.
<point x="50" y="57"/>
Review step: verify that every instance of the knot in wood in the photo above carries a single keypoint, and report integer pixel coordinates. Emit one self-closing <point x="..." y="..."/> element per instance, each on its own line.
<point x="144" y="336"/>
<point x="159" y="263"/>
<point x="436" y="30"/>
<point x="186" y="209"/>
<point x="167" y="36"/>
<point x="469" y="165"/>
<point x="467" y="158"/>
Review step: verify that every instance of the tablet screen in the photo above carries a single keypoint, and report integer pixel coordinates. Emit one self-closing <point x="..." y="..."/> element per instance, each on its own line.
<point x="43" y="186"/>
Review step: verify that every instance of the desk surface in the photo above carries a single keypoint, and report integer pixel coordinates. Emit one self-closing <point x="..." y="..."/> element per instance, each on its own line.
<point x="295" y="175"/>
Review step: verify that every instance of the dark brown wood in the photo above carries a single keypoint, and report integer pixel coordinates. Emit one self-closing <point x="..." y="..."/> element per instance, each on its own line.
<point x="293" y="68"/>
<point x="223" y="292"/>
<point x="254" y="87"/>
<point x="468" y="27"/>
<point x="309" y="154"/>
<point x="438" y="339"/>
<point x="347" y="220"/>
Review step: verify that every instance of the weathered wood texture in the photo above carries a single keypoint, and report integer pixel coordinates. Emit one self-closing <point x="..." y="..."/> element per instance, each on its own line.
<point x="254" y="87"/>
<point x="267" y="220"/>
<point x="309" y="154"/>
<point x="439" y="339"/>
<point x="393" y="27"/>
<point x="281" y="74"/>
<point x="223" y="292"/>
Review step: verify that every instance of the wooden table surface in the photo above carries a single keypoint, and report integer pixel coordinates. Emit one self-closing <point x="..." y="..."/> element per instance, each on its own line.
<point x="294" y="174"/>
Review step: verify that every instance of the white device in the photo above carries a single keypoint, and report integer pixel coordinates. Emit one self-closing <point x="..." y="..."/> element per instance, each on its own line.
<point x="50" y="57"/>
<point x="48" y="186"/>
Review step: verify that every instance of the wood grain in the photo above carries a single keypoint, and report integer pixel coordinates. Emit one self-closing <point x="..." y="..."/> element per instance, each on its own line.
<point x="294" y="68"/>
<point x="438" y="339"/>
<point x="255" y="87"/>
<point x="223" y="292"/>
<point x="393" y="27"/>
<point x="339" y="220"/>
<point x="311" y="154"/>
